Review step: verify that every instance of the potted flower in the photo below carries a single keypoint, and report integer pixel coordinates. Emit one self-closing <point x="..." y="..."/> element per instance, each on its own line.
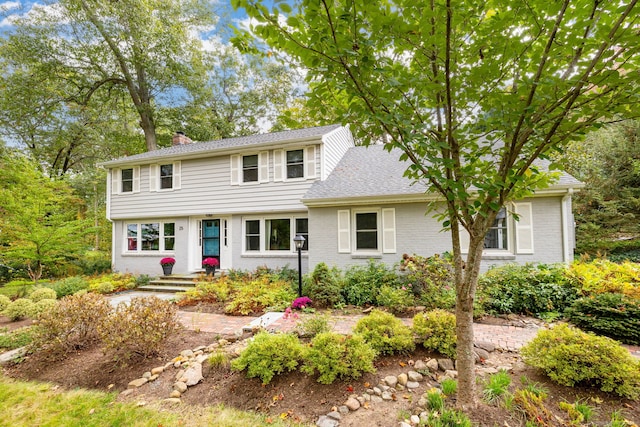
<point x="210" y="265"/>
<point x="167" y="265"/>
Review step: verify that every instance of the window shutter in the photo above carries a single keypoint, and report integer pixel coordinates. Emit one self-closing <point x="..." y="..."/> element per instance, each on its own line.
<point x="344" y="232"/>
<point x="464" y="240"/>
<point x="177" y="175"/>
<point x="389" y="231"/>
<point x="278" y="166"/>
<point x="115" y="181"/>
<point x="235" y="169"/>
<point x="136" y="179"/>
<point x="153" y="177"/>
<point x="524" y="228"/>
<point x="263" y="165"/>
<point x="310" y="162"/>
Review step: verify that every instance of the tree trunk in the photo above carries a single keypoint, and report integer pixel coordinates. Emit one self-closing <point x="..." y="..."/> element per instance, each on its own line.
<point x="466" y="283"/>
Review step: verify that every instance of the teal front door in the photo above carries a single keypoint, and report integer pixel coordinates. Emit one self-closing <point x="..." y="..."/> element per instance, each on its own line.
<point x="211" y="239"/>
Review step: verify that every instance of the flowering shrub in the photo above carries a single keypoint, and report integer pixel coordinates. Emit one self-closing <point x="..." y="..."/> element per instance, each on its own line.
<point x="167" y="261"/>
<point x="210" y="262"/>
<point x="300" y="303"/>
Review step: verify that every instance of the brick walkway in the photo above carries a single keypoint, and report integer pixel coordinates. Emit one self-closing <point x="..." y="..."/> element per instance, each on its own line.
<point x="507" y="338"/>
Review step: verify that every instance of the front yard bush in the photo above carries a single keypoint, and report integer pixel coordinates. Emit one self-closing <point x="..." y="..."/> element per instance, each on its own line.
<point x="601" y="276"/>
<point x="69" y="286"/>
<point x="571" y="357"/>
<point x="385" y="333"/>
<point x="255" y="296"/>
<point x="39" y="294"/>
<point x="4" y="302"/>
<point x="615" y="316"/>
<point x="217" y="290"/>
<point x="323" y="286"/>
<point x="42" y="306"/>
<point x="71" y="324"/>
<point x="430" y="278"/>
<point x="527" y="289"/>
<point x="397" y="300"/>
<point x="436" y="330"/>
<point x="138" y="329"/>
<point x="269" y="354"/>
<point x="362" y="283"/>
<point x="112" y="283"/>
<point x="19" y="309"/>
<point x="334" y="356"/>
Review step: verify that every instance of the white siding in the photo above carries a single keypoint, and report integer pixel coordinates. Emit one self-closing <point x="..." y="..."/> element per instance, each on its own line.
<point x="335" y="146"/>
<point x="206" y="188"/>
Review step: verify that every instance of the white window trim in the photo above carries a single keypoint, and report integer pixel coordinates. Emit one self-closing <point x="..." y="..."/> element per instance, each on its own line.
<point x="161" y="237"/>
<point x="176" y="177"/>
<point x="379" y="231"/>
<point x="263" y="243"/>
<point x="513" y="229"/>
<point x="237" y="171"/>
<point x="116" y="180"/>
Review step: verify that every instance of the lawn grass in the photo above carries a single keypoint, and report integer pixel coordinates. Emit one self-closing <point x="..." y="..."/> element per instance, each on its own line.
<point x="42" y="404"/>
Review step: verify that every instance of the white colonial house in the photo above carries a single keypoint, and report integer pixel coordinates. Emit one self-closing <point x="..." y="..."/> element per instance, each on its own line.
<point x="243" y="200"/>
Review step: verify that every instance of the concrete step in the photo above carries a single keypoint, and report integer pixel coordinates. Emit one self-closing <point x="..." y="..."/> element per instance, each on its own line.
<point x="164" y="288"/>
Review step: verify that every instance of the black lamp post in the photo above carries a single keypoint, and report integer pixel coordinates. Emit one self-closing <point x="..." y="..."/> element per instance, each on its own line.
<point x="299" y="241"/>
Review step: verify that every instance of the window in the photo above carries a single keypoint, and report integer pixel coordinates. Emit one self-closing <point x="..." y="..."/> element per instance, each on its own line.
<point x="274" y="234"/>
<point x="250" y="168"/>
<point x="166" y="176"/>
<point x="151" y="237"/>
<point x="278" y="234"/>
<point x="252" y="235"/>
<point x="366" y="231"/>
<point x="302" y="228"/>
<point x="496" y="238"/>
<point x="295" y="164"/>
<point x="127" y="180"/>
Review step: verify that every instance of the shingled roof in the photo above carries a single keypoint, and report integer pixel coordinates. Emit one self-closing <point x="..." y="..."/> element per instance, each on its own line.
<point x="373" y="172"/>
<point x="197" y="148"/>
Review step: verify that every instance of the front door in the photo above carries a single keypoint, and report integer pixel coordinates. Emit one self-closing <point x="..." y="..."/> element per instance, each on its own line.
<point x="211" y="238"/>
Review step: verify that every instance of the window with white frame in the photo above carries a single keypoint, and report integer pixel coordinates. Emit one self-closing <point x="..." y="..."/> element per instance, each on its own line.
<point x="295" y="164"/>
<point x="497" y="236"/>
<point x="150" y="237"/>
<point x="166" y="176"/>
<point x="250" y="168"/>
<point x="274" y="234"/>
<point x="367" y="231"/>
<point x="126" y="180"/>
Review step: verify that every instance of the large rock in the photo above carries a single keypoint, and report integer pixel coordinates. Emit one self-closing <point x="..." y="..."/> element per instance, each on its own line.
<point x="402" y="379"/>
<point x="193" y="375"/>
<point x="391" y="380"/>
<point x="482" y="355"/>
<point x="446" y="365"/>
<point x="432" y="364"/>
<point x="415" y="376"/>
<point x="352" y="404"/>
<point x="325" y="421"/>
<point x="420" y="365"/>
<point x="138" y="383"/>
<point x="485" y="346"/>
<point x="180" y="386"/>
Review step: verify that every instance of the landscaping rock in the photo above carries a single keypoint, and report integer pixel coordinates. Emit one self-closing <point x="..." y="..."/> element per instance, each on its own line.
<point x="414" y="419"/>
<point x="172" y="400"/>
<point x="186" y="353"/>
<point x="446" y="365"/>
<point x="193" y="375"/>
<point x="325" y="421"/>
<point x="415" y="376"/>
<point x="432" y="364"/>
<point x="175" y="393"/>
<point x="402" y="379"/>
<point x="157" y="371"/>
<point x="481" y="355"/>
<point x="153" y="377"/>
<point x="352" y="404"/>
<point x="180" y="386"/>
<point x="451" y="373"/>
<point x="413" y="384"/>
<point x="126" y="392"/>
<point x="487" y="346"/>
<point x="420" y="365"/>
<point x="391" y="380"/>
<point x="138" y="383"/>
<point x="376" y="399"/>
<point x="343" y="410"/>
<point x="387" y="395"/>
<point x="334" y="415"/>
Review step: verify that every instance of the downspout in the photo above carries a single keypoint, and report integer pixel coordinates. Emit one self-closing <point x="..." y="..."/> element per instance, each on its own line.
<point x="566" y="232"/>
<point x="113" y="226"/>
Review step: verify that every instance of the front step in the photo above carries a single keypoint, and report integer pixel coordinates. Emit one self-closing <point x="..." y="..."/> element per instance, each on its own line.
<point x="173" y="283"/>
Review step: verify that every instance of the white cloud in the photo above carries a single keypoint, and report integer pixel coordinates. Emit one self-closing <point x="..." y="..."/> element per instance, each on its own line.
<point x="9" y="5"/>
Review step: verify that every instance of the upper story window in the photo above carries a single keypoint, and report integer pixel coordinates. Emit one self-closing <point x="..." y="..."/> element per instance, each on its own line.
<point x="166" y="176"/>
<point x="295" y="164"/>
<point x="151" y="237"/>
<point x="126" y="180"/>
<point x="250" y="168"/>
<point x="497" y="237"/>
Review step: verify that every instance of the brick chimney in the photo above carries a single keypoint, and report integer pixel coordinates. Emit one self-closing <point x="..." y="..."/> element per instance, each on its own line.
<point x="181" y="139"/>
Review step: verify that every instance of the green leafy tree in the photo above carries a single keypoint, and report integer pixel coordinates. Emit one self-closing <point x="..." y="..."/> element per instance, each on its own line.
<point x="41" y="223"/>
<point x="472" y="92"/>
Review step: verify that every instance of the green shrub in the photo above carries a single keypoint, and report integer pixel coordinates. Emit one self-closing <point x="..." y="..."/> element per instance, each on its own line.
<point x="142" y="280"/>
<point x="333" y="356"/>
<point x="601" y="276"/>
<point x="217" y="290"/>
<point x="112" y="283"/>
<point x="448" y="418"/>
<point x="38" y="294"/>
<point x="19" y="309"/>
<point x="314" y="325"/>
<point x="526" y="289"/>
<point x="69" y="286"/>
<point x="362" y="283"/>
<point x="398" y="300"/>
<point x="255" y="296"/>
<point x="138" y="329"/>
<point x="40" y="307"/>
<point x="269" y="354"/>
<point x="102" y="287"/>
<point x="71" y="324"/>
<point x="570" y="357"/>
<point x="436" y="330"/>
<point x="323" y="286"/>
<point x="94" y="262"/>
<point x="431" y="279"/>
<point x="4" y="302"/>
<point x="219" y="361"/>
<point x="385" y="333"/>
<point x="616" y="316"/>
<point x="15" y="339"/>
